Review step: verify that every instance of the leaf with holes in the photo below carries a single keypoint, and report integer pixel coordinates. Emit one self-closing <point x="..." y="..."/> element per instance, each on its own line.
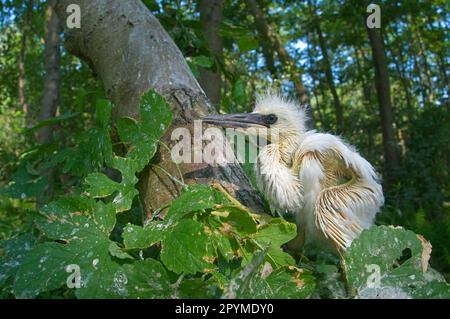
<point x="142" y="138"/>
<point x="193" y="199"/>
<point x="187" y="249"/>
<point x="387" y="262"/>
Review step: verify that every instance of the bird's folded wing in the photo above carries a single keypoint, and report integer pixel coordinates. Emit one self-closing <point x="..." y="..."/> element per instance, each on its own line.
<point x="350" y="194"/>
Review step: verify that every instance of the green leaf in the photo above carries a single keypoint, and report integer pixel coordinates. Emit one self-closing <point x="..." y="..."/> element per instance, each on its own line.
<point x="52" y="121"/>
<point x="144" y="136"/>
<point x="277" y="233"/>
<point x="290" y="283"/>
<point x="100" y="185"/>
<point x="24" y="184"/>
<point x="45" y="269"/>
<point x="104" y="216"/>
<point x="118" y="252"/>
<point x="103" y="110"/>
<point x="68" y="218"/>
<point x="203" y="61"/>
<point x="239" y="219"/>
<point x="387" y="262"/>
<point x="148" y="279"/>
<point x="137" y="237"/>
<point x="13" y="252"/>
<point x="222" y="244"/>
<point x="248" y="283"/>
<point x="197" y="288"/>
<point x="194" y="198"/>
<point x="238" y="92"/>
<point x="186" y="249"/>
<point x="247" y="43"/>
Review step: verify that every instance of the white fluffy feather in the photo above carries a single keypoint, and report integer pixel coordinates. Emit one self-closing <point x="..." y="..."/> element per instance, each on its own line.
<point x="291" y="174"/>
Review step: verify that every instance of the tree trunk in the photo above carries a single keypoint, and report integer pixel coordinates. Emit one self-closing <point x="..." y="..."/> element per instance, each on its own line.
<point x="398" y="58"/>
<point x="382" y="82"/>
<point x="211" y="14"/>
<point x="328" y="71"/>
<point x="51" y="93"/>
<point x="423" y="54"/>
<point x="131" y="53"/>
<point x="264" y="30"/>
<point x="21" y="61"/>
<point x="314" y="81"/>
<point x="52" y="54"/>
<point x="290" y="67"/>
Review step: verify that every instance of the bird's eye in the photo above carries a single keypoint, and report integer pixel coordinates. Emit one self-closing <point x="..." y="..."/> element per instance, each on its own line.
<point x="270" y="119"/>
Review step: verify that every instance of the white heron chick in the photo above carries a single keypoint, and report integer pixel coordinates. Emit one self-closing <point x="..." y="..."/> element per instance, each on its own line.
<point x="333" y="191"/>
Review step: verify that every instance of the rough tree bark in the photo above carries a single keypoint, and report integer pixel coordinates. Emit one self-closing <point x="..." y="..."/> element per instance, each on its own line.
<point x="21" y="60"/>
<point x="51" y="93"/>
<point x="211" y="14"/>
<point x="328" y="71"/>
<point x="131" y="53"/>
<point x="382" y="82"/>
<point x="52" y="57"/>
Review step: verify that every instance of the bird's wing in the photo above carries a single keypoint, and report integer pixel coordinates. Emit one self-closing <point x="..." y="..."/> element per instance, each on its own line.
<point x="349" y="194"/>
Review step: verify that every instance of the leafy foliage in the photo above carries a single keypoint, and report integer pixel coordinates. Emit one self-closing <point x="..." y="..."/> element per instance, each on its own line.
<point x="205" y="246"/>
<point x="235" y="253"/>
<point x="401" y="260"/>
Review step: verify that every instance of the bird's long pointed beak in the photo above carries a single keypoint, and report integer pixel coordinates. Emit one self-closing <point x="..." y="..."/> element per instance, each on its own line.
<point x="241" y="120"/>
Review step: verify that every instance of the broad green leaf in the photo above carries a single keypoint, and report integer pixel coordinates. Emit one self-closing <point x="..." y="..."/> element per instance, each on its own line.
<point x="143" y="137"/>
<point x="52" y="121"/>
<point x="387" y="262"/>
<point x="278" y="258"/>
<point x="239" y="219"/>
<point x="42" y="269"/>
<point x="238" y="92"/>
<point x="13" y="251"/>
<point x="148" y="279"/>
<point x="155" y="115"/>
<point x="118" y="252"/>
<point x="290" y="283"/>
<point x="103" y="110"/>
<point x="277" y="233"/>
<point x="198" y="288"/>
<point x="247" y="43"/>
<point x="203" y="61"/>
<point x="68" y="218"/>
<point x="137" y="237"/>
<point x="45" y="268"/>
<point x="194" y="198"/>
<point x="24" y="184"/>
<point x="186" y="249"/>
<point x="248" y="283"/>
<point x="100" y="185"/>
<point x="222" y="244"/>
<point x="104" y="216"/>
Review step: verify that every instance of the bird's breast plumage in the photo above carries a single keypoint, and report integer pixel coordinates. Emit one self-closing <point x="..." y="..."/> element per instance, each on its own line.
<point x="333" y="191"/>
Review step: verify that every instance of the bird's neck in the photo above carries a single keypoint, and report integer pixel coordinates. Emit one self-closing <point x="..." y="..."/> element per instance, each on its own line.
<point x="287" y="145"/>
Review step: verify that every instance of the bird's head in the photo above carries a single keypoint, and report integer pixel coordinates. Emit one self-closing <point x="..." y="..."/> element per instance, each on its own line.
<point x="282" y="118"/>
